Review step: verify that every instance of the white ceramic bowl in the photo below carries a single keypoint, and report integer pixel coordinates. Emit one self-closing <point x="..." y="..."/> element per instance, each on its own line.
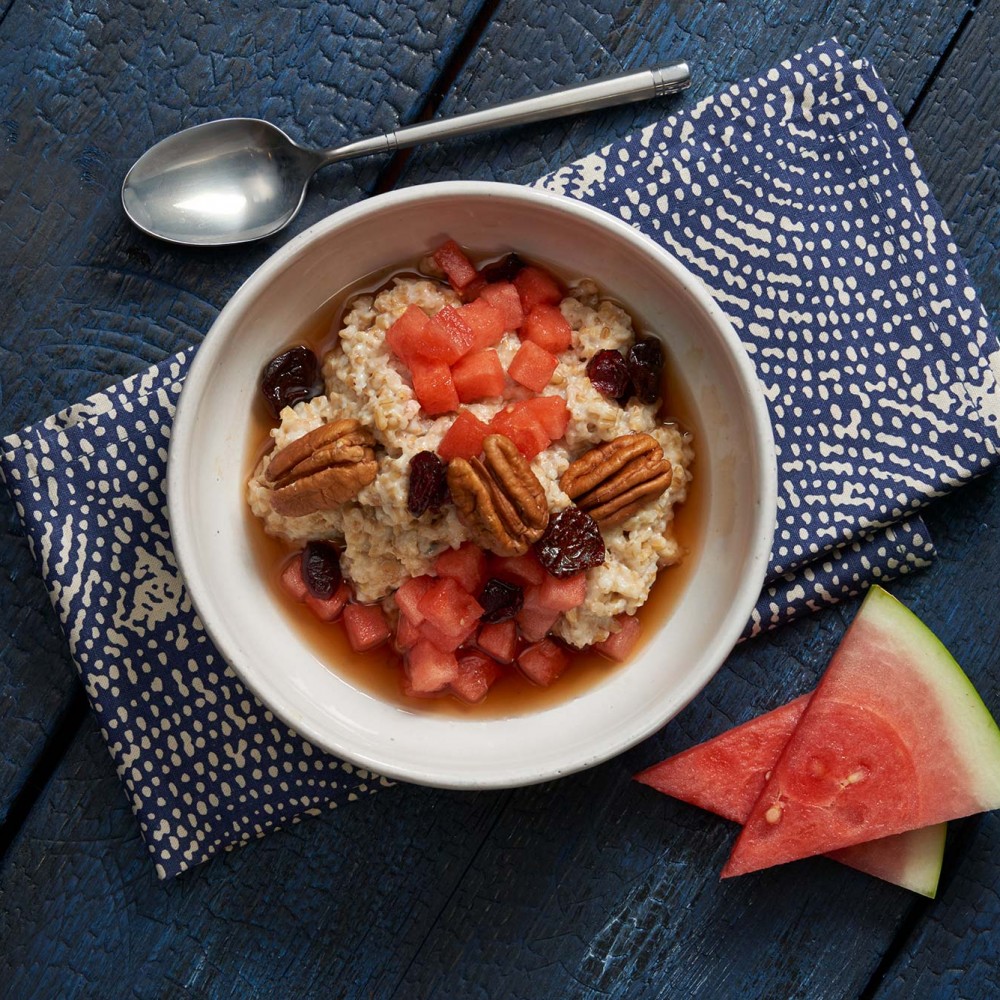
<point x="210" y="444"/>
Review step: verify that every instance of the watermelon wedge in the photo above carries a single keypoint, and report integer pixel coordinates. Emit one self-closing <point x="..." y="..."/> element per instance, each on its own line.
<point x="895" y="738"/>
<point x="725" y="775"/>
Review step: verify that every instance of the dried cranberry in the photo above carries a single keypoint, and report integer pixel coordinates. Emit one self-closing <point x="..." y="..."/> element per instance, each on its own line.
<point x="500" y="601"/>
<point x="572" y="543"/>
<point x="290" y="378"/>
<point x="608" y="370"/>
<point x="503" y="269"/>
<point x="428" y="483"/>
<point x="645" y="368"/>
<point x="321" y="569"/>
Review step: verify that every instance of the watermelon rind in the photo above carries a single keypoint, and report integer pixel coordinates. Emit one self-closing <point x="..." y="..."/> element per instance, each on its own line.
<point x="891" y="670"/>
<point x="912" y="860"/>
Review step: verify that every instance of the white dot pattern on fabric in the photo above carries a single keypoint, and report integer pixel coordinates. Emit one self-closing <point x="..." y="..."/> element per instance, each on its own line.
<point x="797" y="199"/>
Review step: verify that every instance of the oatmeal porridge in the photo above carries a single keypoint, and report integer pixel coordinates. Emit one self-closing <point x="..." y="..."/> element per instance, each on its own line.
<point x="478" y="472"/>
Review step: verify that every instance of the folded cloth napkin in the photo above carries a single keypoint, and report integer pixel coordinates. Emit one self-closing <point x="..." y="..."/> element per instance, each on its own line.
<point x="797" y="199"/>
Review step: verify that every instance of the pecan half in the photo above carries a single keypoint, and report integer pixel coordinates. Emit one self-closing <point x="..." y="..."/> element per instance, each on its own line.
<point x="499" y="498"/>
<point x="614" y="480"/>
<point x="326" y="467"/>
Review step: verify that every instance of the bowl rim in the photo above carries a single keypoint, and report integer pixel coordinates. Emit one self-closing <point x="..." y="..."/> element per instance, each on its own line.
<point x="206" y="358"/>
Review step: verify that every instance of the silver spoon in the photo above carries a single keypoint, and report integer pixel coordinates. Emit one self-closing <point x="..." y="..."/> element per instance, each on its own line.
<point x="240" y="179"/>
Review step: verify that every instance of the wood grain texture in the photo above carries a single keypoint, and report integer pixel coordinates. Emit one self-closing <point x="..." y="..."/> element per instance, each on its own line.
<point x="955" y="950"/>
<point x="86" y="299"/>
<point x="591" y="886"/>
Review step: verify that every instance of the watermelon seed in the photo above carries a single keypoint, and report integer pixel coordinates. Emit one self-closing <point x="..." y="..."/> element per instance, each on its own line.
<point x="773" y="815"/>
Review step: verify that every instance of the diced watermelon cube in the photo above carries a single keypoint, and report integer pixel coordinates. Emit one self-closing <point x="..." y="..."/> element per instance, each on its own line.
<point x="433" y="386"/>
<point x="447" y="337"/>
<point x="366" y="626"/>
<point x="464" y="439"/>
<point x="331" y="608"/>
<point x="517" y="423"/>
<point x="429" y="669"/>
<point x="476" y="674"/>
<point x="503" y="296"/>
<point x="451" y="258"/>
<point x="485" y="321"/>
<point x="536" y="287"/>
<point x="439" y="639"/>
<point x="479" y="375"/>
<point x="543" y="662"/>
<point x="449" y="608"/>
<point x="408" y="597"/>
<point x="619" y="645"/>
<point x="532" y="366"/>
<point x="466" y="565"/>
<point x="407" y="634"/>
<point x="551" y="412"/>
<point x="499" y="640"/>
<point x="524" y="569"/>
<point x="547" y="327"/>
<point x="536" y="623"/>
<point x="535" y="619"/>
<point x="565" y="594"/>
<point x="404" y="336"/>
<point x="292" y="580"/>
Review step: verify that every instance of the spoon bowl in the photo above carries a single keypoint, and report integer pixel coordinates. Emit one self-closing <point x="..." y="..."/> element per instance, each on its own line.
<point x="227" y="181"/>
<point x="241" y="179"/>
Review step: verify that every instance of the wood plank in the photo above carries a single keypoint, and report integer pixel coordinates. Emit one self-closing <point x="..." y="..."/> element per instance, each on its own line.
<point x="86" y="298"/>
<point x="330" y="907"/>
<point x="954" y="950"/>
<point x="555" y="42"/>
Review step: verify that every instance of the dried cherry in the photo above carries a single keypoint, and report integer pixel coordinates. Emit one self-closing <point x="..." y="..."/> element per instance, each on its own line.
<point x="645" y="369"/>
<point x="428" y="488"/>
<point x="572" y="543"/>
<point x="503" y="269"/>
<point x="321" y="569"/>
<point x="500" y="601"/>
<point x="608" y="371"/>
<point x="289" y="378"/>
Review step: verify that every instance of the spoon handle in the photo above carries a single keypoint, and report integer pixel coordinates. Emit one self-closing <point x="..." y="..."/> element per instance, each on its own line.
<point x="623" y="88"/>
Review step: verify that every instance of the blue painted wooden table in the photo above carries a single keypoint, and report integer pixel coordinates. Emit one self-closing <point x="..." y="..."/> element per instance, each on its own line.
<point x="590" y="886"/>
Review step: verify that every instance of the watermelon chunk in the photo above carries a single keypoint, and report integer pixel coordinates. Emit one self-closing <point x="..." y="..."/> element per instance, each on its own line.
<point x="408" y="597"/>
<point x="292" y="580"/>
<point x="329" y="609"/>
<point x="619" y="645"/>
<point x="476" y="674"/>
<point x="895" y="738"/>
<point x="536" y="287"/>
<point x="447" y="607"/>
<point x="543" y="662"/>
<point x="429" y="669"/>
<point x="479" y="375"/>
<point x="563" y="595"/>
<point x="503" y="295"/>
<point x="725" y="776"/>
<point x="446" y="338"/>
<point x="433" y="386"/>
<point x="547" y="327"/>
<point x="551" y="412"/>
<point x="464" y="439"/>
<point x="532" y="366"/>
<point x="466" y="565"/>
<point x="524" y="569"/>
<point x="366" y="626"/>
<point x="451" y="258"/>
<point x="485" y="321"/>
<point x="499" y="640"/>
<point x="404" y="336"/>
<point x="407" y="635"/>
<point x="517" y="423"/>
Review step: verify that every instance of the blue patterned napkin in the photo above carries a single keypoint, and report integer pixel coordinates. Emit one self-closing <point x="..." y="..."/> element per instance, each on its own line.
<point x="797" y="198"/>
